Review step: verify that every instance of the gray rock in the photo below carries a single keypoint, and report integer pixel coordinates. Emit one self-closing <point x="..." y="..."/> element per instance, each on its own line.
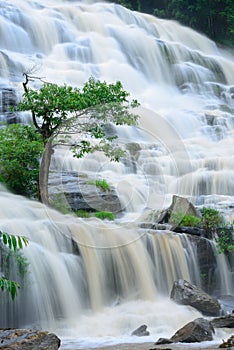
<point x="162" y="341"/>
<point x="25" y="339"/>
<point x="186" y="293"/>
<point x="141" y="331"/>
<point x="76" y="193"/>
<point x="198" y="330"/>
<point x="223" y="322"/>
<point x="178" y="205"/>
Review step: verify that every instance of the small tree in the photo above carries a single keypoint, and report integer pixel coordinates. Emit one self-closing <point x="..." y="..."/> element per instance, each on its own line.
<point x="58" y="112"/>
<point x="20" y="151"/>
<point x="14" y="243"/>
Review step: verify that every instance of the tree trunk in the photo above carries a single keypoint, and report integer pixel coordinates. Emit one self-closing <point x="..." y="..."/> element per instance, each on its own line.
<point x="44" y="172"/>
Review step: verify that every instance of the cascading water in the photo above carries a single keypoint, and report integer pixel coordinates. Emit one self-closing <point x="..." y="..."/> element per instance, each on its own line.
<point x="118" y="276"/>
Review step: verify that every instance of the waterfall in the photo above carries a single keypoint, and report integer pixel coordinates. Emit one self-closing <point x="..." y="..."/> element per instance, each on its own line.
<point x="78" y="265"/>
<point x="99" y="278"/>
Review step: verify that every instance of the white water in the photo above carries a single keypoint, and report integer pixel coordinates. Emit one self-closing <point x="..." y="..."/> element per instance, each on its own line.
<point x="185" y="136"/>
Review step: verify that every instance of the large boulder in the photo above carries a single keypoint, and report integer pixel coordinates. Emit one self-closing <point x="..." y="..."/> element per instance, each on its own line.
<point x="178" y="205"/>
<point x="78" y="193"/>
<point x="186" y="293"/>
<point x="25" y="339"/>
<point x="198" y="330"/>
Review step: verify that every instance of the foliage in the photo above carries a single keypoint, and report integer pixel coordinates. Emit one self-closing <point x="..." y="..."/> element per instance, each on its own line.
<point x="20" y="150"/>
<point x="54" y="104"/>
<point x="225" y="239"/>
<point x="10" y="286"/>
<point x="104" y="215"/>
<point x="13" y="243"/>
<point x="182" y="219"/>
<point x="211" y="221"/>
<point x="102" y="184"/>
<point x="77" y="117"/>
<point x="82" y="213"/>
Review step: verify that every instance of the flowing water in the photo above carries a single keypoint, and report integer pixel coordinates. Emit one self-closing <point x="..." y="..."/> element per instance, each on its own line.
<point x="110" y="278"/>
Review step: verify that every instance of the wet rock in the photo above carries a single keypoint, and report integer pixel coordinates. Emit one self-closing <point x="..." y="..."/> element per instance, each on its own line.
<point x="186" y="293"/>
<point x="78" y="193"/>
<point x="196" y="231"/>
<point x="141" y="331"/>
<point x="198" y="330"/>
<point x="223" y="322"/>
<point x="228" y="344"/>
<point x="178" y="205"/>
<point x="25" y="339"/>
<point x="162" y="341"/>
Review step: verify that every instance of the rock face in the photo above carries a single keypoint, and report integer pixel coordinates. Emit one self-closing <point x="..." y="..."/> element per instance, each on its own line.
<point x="141" y="331"/>
<point x="185" y="293"/>
<point x="78" y="193"/>
<point x="25" y="339"/>
<point x="198" y="330"/>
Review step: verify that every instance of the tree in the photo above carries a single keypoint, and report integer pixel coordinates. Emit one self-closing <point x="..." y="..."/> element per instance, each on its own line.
<point x="20" y="150"/>
<point x="58" y="112"/>
<point x="13" y="243"/>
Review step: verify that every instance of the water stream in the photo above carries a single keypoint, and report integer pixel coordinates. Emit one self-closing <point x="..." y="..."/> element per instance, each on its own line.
<point x="90" y="281"/>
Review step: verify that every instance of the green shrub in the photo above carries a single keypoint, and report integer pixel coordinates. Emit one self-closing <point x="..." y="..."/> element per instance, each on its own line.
<point x="82" y="213"/>
<point x="20" y="151"/>
<point x="225" y="239"/>
<point x="104" y="215"/>
<point x="211" y="221"/>
<point x="181" y="219"/>
<point x="102" y="184"/>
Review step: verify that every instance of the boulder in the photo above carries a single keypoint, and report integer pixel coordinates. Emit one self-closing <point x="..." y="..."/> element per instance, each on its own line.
<point x="78" y="193"/>
<point x="141" y="331"/>
<point x="223" y="322"/>
<point x="198" y="330"/>
<point x="186" y="293"/>
<point x="162" y="341"/>
<point x="178" y="205"/>
<point x="25" y="339"/>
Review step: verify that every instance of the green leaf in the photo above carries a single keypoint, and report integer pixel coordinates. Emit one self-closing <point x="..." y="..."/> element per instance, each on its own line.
<point x="14" y="242"/>
<point x="20" y="245"/>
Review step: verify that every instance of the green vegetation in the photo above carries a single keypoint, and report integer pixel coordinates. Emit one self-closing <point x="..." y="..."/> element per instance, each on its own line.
<point x="20" y="150"/>
<point x="99" y="214"/>
<point x="212" y="220"/>
<point x="13" y="243"/>
<point x="182" y="219"/>
<point x="225" y="239"/>
<point x="58" y="112"/>
<point x="102" y="184"/>
<point x="81" y="213"/>
<point x="214" y="18"/>
<point x="214" y="225"/>
<point x="104" y="215"/>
